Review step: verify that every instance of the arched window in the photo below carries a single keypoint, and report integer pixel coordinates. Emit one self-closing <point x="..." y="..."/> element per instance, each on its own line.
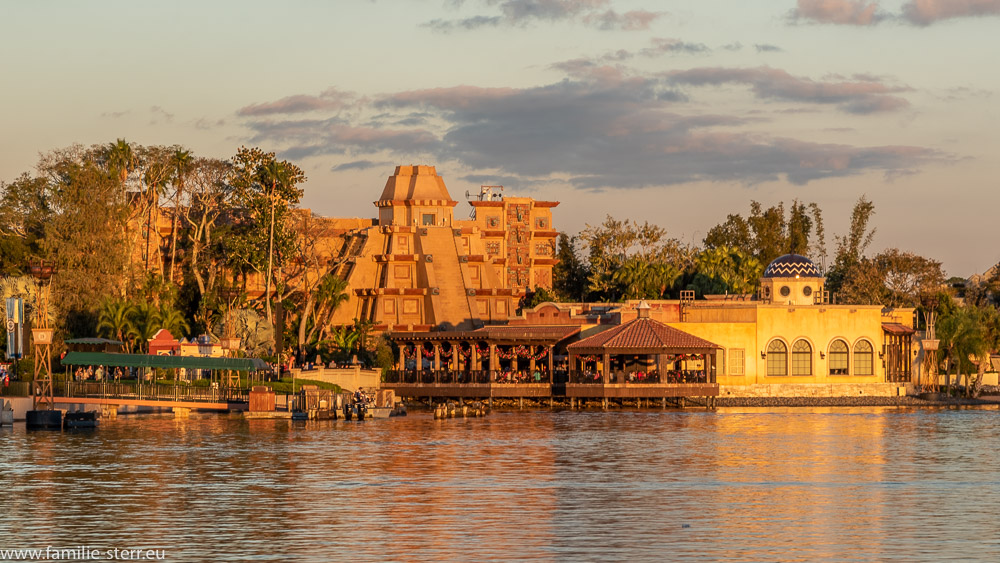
<point x="802" y="358"/>
<point x="864" y="358"/>
<point x="777" y="358"/>
<point x="838" y="357"/>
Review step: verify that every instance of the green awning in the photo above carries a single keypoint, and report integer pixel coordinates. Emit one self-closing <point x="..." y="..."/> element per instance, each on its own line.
<point x="164" y="362"/>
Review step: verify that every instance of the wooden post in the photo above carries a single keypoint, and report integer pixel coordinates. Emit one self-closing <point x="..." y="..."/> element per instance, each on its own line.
<point x="476" y="360"/>
<point x="493" y="362"/>
<point x="552" y="351"/>
<point x="606" y="368"/>
<point x="437" y="356"/>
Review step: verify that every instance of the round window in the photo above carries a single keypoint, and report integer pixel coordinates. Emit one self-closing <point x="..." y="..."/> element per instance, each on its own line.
<point x="807" y="291"/>
<point x="785" y="292"/>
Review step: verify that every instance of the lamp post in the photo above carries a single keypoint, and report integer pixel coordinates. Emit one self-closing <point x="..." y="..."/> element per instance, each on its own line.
<point x="230" y="342"/>
<point x="930" y="341"/>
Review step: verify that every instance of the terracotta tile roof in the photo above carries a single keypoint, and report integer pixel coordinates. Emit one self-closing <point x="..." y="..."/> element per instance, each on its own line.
<point x="897" y="329"/>
<point x="642" y="333"/>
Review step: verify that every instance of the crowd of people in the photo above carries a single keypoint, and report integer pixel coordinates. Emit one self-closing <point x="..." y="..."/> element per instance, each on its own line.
<point x="90" y="373"/>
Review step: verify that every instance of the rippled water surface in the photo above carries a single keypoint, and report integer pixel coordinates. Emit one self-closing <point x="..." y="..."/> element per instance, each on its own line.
<point x="866" y="484"/>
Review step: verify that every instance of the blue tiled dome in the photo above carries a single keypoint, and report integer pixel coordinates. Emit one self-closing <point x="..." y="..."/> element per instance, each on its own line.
<point x="791" y="265"/>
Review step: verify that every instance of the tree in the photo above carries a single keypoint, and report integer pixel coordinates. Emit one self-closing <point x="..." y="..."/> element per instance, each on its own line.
<point x="181" y="162"/>
<point x="629" y="260"/>
<point x="115" y="321"/>
<point x="569" y="275"/>
<point x="725" y="270"/>
<point x="172" y="320"/>
<point x="892" y="278"/>
<point x="852" y="246"/>
<point x="266" y="189"/>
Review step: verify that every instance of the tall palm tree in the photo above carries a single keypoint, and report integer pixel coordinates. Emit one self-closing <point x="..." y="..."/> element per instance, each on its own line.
<point x="121" y="159"/>
<point x="156" y="177"/>
<point x="182" y="163"/>
<point x="115" y="321"/>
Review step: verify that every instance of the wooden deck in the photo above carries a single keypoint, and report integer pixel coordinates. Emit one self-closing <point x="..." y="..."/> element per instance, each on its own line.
<point x="640" y="391"/>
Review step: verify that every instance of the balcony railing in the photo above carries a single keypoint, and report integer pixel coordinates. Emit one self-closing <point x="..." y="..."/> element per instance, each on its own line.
<point x="447" y="377"/>
<point x="594" y="377"/>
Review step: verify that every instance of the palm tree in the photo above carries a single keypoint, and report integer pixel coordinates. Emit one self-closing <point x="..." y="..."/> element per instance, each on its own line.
<point x="146" y="322"/>
<point x="121" y="159"/>
<point x="156" y="177"/>
<point x="172" y="320"/>
<point x="182" y="163"/>
<point x="115" y="321"/>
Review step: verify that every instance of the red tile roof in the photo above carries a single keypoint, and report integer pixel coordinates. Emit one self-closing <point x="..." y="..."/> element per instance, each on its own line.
<point x="897" y="329"/>
<point x="642" y="333"/>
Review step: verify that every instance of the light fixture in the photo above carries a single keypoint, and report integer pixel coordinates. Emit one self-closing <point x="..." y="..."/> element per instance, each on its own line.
<point x="763" y="355"/>
<point x="822" y="356"/>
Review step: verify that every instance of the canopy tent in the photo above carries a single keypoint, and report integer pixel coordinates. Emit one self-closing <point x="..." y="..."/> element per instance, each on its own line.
<point x="163" y="362"/>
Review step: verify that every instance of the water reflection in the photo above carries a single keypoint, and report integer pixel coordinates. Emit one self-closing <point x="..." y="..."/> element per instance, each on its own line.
<point x="869" y="484"/>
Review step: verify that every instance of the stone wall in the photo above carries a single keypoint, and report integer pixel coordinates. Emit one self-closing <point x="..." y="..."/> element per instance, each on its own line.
<point x="349" y="379"/>
<point x="815" y="390"/>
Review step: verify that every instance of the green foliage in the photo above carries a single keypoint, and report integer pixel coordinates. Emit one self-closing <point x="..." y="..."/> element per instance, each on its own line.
<point x="892" y="278"/>
<point x="723" y="270"/>
<point x="967" y="337"/>
<point x="569" y="275"/>
<point x="852" y="246"/>
<point x="630" y="261"/>
<point x="115" y="320"/>
<point x="765" y="234"/>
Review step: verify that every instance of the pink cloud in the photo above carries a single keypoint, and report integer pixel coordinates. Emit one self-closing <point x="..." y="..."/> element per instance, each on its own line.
<point x="926" y="12"/>
<point x="842" y="12"/>
<point x="292" y="104"/>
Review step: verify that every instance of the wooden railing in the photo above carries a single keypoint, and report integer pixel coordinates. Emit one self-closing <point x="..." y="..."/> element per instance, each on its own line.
<point x="446" y="377"/>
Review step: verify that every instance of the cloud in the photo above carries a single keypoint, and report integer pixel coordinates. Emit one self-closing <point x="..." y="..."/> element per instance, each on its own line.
<point x="600" y="128"/>
<point x="312" y="137"/>
<point x="868" y="12"/>
<point x="861" y="96"/>
<point x="205" y="123"/>
<point x="636" y="20"/>
<point x="766" y="48"/>
<point x="361" y="165"/>
<point x="157" y="111"/>
<point x="116" y="114"/>
<point x="662" y="45"/>
<point x="331" y="99"/>
<point x="926" y="12"/>
<point x="520" y="13"/>
<point x="841" y="12"/>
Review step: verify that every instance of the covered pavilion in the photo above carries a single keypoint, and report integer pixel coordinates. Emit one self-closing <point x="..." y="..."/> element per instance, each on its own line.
<point x="642" y="358"/>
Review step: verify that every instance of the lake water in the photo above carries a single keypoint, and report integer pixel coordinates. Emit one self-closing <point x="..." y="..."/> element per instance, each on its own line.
<point x="846" y="484"/>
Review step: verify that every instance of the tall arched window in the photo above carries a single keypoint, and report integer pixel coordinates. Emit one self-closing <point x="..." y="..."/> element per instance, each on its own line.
<point x="802" y="358"/>
<point x="838" y="358"/>
<point x="864" y="358"/>
<point x="777" y="358"/>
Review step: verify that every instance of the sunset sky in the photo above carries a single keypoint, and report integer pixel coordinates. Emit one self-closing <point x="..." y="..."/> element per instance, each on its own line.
<point x="675" y="112"/>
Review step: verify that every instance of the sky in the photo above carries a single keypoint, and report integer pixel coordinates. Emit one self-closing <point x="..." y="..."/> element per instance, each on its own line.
<point x="673" y="112"/>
